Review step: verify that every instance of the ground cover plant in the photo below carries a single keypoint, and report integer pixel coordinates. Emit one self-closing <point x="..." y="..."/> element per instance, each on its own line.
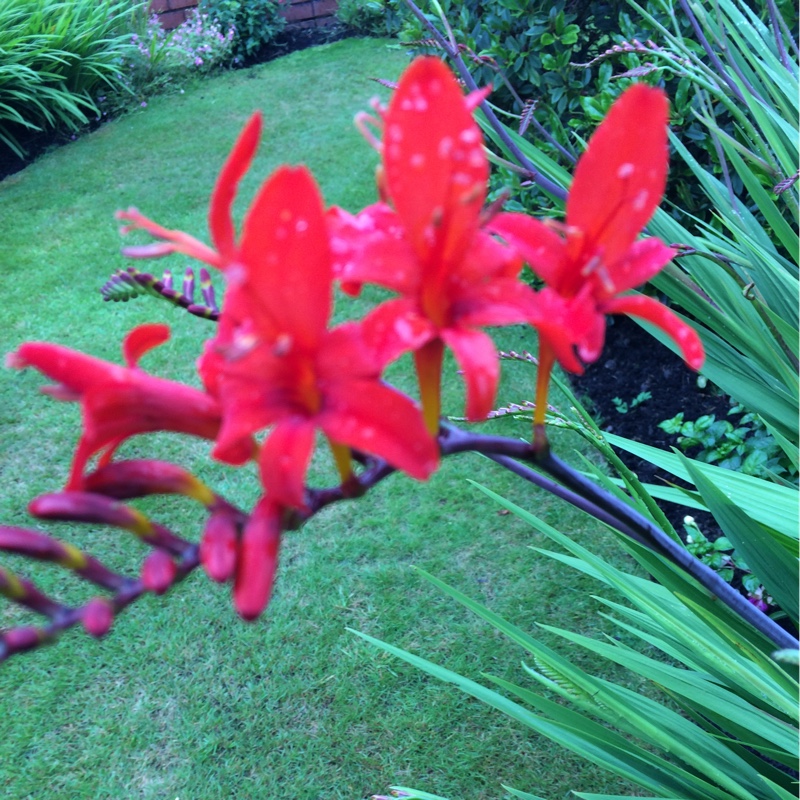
<point x="182" y="699"/>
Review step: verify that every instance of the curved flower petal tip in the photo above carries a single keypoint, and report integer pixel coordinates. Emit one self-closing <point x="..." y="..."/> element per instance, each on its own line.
<point x="258" y="560"/>
<point x="620" y="179"/>
<point x="119" y="402"/>
<point x="142" y="339"/>
<point x="220" y="221"/>
<point x="655" y="313"/>
<point x="436" y="170"/>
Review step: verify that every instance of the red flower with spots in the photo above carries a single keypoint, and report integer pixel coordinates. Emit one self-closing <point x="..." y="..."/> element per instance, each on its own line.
<point x="275" y="364"/>
<point x="119" y="402"/>
<point x="428" y="242"/>
<point x="594" y="257"/>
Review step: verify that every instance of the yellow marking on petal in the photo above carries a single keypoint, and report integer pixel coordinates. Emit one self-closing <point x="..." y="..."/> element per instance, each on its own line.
<point x="140" y="525"/>
<point x="72" y="558"/>
<point x="10" y="585"/>
<point x="197" y="490"/>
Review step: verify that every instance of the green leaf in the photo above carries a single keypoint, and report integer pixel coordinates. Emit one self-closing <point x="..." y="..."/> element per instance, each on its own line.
<point x="767" y="503"/>
<point x="759" y="545"/>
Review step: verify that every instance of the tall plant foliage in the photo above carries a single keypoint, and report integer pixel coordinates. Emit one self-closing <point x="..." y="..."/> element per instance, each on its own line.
<point x="55" y="58"/>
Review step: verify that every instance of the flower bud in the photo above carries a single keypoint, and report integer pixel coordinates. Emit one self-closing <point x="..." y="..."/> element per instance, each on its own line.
<point x="158" y="572"/>
<point x="98" y="616"/>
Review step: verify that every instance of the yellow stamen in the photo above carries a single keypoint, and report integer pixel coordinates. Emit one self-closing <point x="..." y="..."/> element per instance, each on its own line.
<point x="341" y="455"/>
<point x="429" y="374"/>
<point x="546" y="360"/>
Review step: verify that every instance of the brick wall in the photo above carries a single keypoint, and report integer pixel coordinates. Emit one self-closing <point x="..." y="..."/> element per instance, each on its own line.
<point x="298" y="13"/>
<point x="172" y="13"/>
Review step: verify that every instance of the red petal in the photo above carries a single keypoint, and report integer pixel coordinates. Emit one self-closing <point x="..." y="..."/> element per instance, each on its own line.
<point x="236" y="165"/>
<point x="284" y="461"/>
<point x="143" y="339"/>
<point x="286" y="257"/>
<point x="562" y="323"/>
<point x="503" y="301"/>
<point x="619" y="181"/>
<point x="642" y="261"/>
<point x="371" y="248"/>
<point x="436" y="170"/>
<point x="652" y="311"/>
<point x="77" y="371"/>
<point x="478" y="360"/>
<point x="396" y="327"/>
<point x="258" y="560"/>
<point x="538" y="244"/>
<point x="345" y="352"/>
<point x="376" y="419"/>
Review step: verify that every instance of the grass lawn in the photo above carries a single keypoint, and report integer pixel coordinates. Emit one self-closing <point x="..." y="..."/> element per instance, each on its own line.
<point x="183" y="699"/>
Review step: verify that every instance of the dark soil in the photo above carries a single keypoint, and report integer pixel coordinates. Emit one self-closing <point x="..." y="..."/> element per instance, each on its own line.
<point x="634" y="362"/>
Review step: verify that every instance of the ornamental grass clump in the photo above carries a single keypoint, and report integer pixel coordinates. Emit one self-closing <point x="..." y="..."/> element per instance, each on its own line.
<point x="56" y="60"/>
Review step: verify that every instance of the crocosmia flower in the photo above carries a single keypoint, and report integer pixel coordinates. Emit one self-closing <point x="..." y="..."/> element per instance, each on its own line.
<point x="119" y="402"/>
<point x="590" y="261"/>
<point x="427" y="241"/>
<point x="274" y="364"/>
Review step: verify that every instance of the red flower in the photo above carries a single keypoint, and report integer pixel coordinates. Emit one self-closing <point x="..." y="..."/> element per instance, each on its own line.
<point x="454" y="277"/>
<point x="120" y="402"/>
<point x="594" y="257"/>
<point x="274" y="362"/>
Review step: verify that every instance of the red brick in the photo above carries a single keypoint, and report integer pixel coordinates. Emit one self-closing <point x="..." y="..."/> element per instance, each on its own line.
<point x="157" y="6"/>
<point x="325" y="8"/>
<point x="177" y="5"/>
<point x="300" y="11"/>
<point x="172" y="19"/>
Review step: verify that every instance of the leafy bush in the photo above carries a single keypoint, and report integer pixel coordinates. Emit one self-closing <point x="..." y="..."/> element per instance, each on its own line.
<point x="369" y="17"/>
<point x="256" y="23"/>
<point x="198" y="46"/>
<point x="747" y="446"/>
<point x="558" y="66"/>
<point x="55" y="58"/>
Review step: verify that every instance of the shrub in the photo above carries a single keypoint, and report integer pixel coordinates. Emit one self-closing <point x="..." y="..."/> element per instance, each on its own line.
<point x="55" y="58"/>
<point x="256" y="23"/>
<point x="369" y="17"/>
<point x="199" y="46"/>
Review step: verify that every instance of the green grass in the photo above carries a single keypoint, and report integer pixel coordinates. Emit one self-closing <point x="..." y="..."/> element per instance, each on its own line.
<point x="183" y="699"/>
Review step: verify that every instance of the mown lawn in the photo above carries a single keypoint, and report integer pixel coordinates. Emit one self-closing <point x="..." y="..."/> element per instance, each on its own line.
<point x="183" y="699"/>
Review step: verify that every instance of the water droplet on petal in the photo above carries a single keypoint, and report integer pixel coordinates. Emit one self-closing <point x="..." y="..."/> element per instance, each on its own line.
<point x="625" y="170"/>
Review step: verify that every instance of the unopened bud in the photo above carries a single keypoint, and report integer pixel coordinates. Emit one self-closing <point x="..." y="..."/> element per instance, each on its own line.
<point x="158" y="572"/>
<point x="218" y="547"/>
<point x="98" y="616"/>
